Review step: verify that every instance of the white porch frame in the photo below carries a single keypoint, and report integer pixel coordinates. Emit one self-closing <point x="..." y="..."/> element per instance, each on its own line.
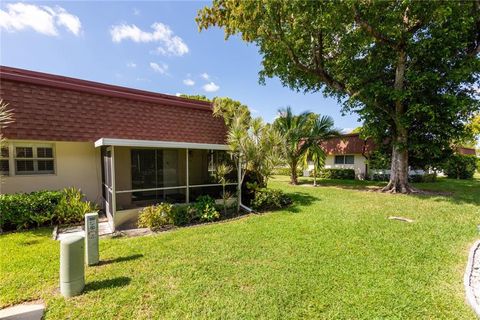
<point x="112" y="143"/>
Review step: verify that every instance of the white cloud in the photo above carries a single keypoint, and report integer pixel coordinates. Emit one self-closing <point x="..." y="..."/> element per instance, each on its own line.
<point x="211" y="87"/>
<point x="160" y="68"/>
<point x="44" y="19"/>
<point x="178" y="94"/>
<point x="254" y="110"/>
<point x="188" y="82"/>
<point x="205" y="76"/>
<point x="69" y="21"/>
<point x="131" y="65"/>
<point x="170" y="43"/>
<point x="347" y="130"/>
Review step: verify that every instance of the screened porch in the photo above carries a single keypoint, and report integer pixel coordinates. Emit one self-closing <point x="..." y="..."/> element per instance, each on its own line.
<point x="136" y="174"/>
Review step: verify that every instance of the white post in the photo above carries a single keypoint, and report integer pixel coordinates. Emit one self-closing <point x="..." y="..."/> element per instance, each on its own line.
<point x="114" y="191"/>
<point x="239" y="184"/>
<point x="91" y="238"/>
<point x="187" y="178"/>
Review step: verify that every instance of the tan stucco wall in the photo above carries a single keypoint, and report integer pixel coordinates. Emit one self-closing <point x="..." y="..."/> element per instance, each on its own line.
<point x="77" y="164"/>
<point x="358" y="166"/>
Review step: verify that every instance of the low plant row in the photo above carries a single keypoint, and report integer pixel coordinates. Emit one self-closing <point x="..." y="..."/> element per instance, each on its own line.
<point x="27" y="210"/>
<point x="204" y="209"/>
<point x="165" y="214"/>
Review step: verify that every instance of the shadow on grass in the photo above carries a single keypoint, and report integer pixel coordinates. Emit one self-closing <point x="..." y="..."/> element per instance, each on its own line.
<point x="120" y="259"/>
<point x="343" y="184"/>
<point x="454" y="191"/>
<point x="300" y="199"/>
<point x="461" y="191"/>
<point x="107" y="284"/>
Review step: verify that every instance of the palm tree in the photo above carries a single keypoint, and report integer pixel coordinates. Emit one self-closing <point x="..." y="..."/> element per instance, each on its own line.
<point x="322" y="129"/>
<point x="300" y="133"/>
<point x="222" y="172"/>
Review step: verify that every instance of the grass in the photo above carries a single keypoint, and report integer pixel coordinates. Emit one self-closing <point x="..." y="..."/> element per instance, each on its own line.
<point x="333" y="255"/>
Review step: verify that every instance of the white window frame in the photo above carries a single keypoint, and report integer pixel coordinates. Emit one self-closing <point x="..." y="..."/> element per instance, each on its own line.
<point x="9" y="172"/>
<point x="344" y="159"/>
<point x="35" y="159"/>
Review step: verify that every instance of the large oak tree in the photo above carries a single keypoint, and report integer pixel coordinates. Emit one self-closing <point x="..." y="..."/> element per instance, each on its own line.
<point x="402" y="66"/>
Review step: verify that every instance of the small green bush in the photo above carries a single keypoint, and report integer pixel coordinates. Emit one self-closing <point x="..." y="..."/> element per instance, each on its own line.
<point x="459" y="166"/>
<point x="156" y="216"/>
<point x="348" y="174"/>
<point x="182" y="215"/>
<point x="205" y="208"/>
<point x="429" y="177"/>
<point x="209" y="214"/>
<point x="72" y="207"/>
<point x="270" y="199"/>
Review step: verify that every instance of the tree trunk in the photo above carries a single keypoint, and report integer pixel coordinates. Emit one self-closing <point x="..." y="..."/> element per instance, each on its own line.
<point x="293" y="173"/>
<point x="399" y="168"/>
<point x="314" y="177"/>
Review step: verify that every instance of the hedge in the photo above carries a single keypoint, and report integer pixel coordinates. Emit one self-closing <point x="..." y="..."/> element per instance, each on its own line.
<point x="460" y="166"/>
<point x="41" y="208"/>
<point x="348" y="174"/>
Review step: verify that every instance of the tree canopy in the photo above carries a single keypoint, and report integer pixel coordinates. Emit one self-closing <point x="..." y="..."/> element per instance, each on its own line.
<point x="407" y="68"/>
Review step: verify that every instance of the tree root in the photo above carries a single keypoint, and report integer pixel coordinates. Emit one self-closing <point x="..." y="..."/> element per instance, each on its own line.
<point x="403" y="188"/>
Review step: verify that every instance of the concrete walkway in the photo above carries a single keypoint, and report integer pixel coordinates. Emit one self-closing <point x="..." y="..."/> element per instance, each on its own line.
<point x="26" y="311"/>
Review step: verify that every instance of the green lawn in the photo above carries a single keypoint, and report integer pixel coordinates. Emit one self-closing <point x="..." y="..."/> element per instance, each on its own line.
<point x="334" y="255"/>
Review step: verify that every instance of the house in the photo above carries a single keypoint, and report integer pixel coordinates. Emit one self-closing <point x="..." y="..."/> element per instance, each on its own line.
<point x="124" y="148"/>
<point x="349" y="151"/>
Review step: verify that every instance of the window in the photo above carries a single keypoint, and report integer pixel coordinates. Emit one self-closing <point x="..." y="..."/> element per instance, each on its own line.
<point x="350" y="159"/>
<point x="34" y="159"/>
<point x="4" y="164"/>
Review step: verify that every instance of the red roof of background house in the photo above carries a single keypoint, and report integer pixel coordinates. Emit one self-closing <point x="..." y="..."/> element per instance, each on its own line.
<point x="348" y="144"/>
<point x="55" y="108"/>
<point x="463" y="150"/>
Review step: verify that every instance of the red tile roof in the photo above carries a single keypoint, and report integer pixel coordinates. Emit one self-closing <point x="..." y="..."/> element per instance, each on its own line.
<point x="56" y="108"/>
<point x="348" y="144"/>
<point x="463" y="150"/>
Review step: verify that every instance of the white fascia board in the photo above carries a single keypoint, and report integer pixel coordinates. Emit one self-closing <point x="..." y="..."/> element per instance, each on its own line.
<point x="158" y="144"/>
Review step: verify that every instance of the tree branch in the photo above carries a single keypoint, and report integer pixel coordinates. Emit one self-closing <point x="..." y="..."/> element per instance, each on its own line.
<point x="474" y="48"/>
<point x="371" y="30"/>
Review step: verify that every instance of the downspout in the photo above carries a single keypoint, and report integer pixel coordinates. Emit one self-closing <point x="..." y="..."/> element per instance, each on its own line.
<point x="364" y="147"/>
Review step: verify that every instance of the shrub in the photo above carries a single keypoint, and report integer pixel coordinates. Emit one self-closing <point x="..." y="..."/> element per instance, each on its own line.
<point x="205" y="208"/>
<point x="182" y="215"/>
<point x="26" y="210"/>
<point x="270" y="199"/>
<point x="35" y="209"/>
<point x="156" y="217"/>
<point x="460" y="166"/>
<point x="337" y="174"/>
<point x="72" y="208"/>
<point x="286" y="172"/>
<point x="209" y="213"/>
<point x="429" y="177"/>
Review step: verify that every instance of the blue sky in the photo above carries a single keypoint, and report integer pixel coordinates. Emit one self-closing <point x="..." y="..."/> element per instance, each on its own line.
<point x="154" y="46"/>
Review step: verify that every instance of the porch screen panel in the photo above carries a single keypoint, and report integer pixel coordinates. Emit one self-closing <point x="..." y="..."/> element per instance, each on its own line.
<point x="157" y="176"/>
<point x="203" y="179"/>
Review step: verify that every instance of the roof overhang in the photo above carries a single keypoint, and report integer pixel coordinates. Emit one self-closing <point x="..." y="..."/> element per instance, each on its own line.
<point x="158" y="144"/>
